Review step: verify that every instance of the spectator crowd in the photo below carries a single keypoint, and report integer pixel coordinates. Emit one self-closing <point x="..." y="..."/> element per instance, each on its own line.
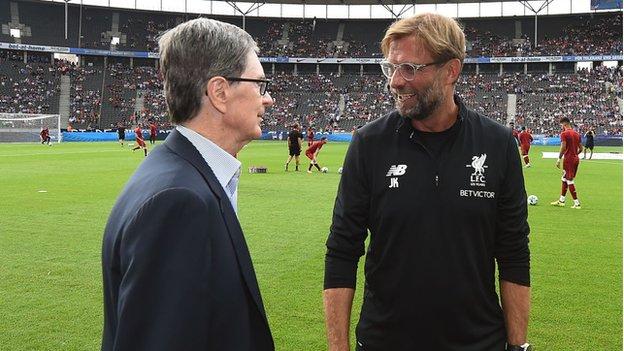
<point x="325" y="101"/>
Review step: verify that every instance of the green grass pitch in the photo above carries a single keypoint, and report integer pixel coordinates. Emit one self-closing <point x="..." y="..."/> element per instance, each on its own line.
<point x="55" y="202"/>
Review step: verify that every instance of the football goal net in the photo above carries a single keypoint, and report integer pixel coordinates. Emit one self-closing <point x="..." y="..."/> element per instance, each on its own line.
<point x="26" y="127"/>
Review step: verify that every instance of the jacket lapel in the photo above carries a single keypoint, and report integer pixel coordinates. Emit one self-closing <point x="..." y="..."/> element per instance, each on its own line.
<point x="181" y="146"/>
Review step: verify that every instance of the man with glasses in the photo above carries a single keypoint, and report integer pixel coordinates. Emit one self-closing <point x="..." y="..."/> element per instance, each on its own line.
<point x="177" y="271"/>
<point x="440" y="189"/>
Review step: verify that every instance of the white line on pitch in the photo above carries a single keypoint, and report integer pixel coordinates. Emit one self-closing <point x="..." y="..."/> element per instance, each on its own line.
<point x="58" y="153"/>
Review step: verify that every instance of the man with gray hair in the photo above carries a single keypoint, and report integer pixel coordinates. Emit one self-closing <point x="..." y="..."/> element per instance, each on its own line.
<point x="177" y="271"/>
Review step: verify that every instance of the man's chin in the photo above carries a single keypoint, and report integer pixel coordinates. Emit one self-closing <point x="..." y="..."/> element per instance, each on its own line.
<point x="412" y="115"/>
<point x="258" y="134"/>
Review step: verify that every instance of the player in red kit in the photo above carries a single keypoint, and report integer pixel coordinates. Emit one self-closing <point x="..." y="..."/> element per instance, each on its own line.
<point x="45" y="136"/>
<point x="525" y="139"/>
<point x="139" y="139"/>
<point x="515" y="133"/>
<point x="571" y="147"/>
<point x="153" y="132"/>
<point x="310" y="136"/>
<point x="313" y="151"/>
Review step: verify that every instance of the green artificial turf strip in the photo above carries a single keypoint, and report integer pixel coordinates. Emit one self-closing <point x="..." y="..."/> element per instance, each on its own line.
<point x="55" y="202"/>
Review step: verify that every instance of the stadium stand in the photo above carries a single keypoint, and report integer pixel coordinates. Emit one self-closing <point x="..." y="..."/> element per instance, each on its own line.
<point x="364" y="98"/>
<point x="584" y="36"/>
<point x="106" y="91"/>
<point x="31" y="87"/>
<point x="325" y="101"/>
<point x="85" y="95"/>
<point x="589" y="98"/>
<point x="596" y="33"/>
<point x="119" y="97"/>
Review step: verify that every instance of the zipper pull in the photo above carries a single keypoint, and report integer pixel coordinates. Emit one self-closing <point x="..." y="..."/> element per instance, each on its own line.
<point x="437" y="180"/>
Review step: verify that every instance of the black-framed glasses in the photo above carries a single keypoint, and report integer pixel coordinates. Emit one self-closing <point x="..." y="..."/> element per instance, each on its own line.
<point x="407" y="70"/>
<point x="263" y="83"/>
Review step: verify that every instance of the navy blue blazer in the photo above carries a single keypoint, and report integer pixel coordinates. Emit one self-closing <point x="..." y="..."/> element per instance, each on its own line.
<point x="177" y="271"/>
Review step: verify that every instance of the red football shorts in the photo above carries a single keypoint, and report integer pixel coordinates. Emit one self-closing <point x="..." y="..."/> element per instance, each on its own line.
<point x="524" y="149"/>
<point x="140" y="142"/>
<point x="310" y="155"/>
<point x="570" y="167"/>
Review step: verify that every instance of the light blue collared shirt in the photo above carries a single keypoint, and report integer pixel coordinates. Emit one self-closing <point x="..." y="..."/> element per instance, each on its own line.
<point x="226" y="167"/>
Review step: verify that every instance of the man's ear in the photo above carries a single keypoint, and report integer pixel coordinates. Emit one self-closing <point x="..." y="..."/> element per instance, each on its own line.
<point x="454" y="68"/>
<point x="217" y="92"/>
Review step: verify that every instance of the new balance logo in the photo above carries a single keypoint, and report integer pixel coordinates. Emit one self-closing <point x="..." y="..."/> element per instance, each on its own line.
<point x="396" y="171"/>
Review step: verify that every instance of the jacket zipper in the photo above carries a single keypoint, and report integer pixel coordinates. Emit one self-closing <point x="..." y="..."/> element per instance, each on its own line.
<point x="437" y="177"/>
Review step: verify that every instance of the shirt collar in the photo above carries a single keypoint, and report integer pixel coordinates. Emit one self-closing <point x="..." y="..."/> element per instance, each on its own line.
<point x="223" y="165"/>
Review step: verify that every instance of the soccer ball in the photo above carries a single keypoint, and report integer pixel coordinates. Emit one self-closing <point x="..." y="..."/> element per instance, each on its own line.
<point x="324" y="169"/>
<point x="532" y="200"/>
<point x="340" y="170"/>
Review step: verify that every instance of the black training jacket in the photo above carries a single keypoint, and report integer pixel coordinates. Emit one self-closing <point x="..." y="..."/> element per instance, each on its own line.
<point x="437" y="226"/>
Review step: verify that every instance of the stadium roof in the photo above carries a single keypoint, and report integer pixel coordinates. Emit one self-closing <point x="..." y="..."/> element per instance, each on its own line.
<point x="348" y="9"/>
<point x="379" y="2"/>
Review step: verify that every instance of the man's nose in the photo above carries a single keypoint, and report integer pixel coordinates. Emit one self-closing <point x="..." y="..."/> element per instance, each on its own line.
<point x="267" y="100"/>
<point x="397" y="81"/>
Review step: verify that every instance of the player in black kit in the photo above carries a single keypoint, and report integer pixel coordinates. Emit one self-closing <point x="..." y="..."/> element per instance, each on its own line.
<point x="121" y="133"/>
<point x="294" y="146"/>
<point x="589" y="143"/>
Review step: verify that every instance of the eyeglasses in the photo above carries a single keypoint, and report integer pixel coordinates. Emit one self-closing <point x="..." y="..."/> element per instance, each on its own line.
<point x="407" y="70"/>
<point x="263" y="83"/>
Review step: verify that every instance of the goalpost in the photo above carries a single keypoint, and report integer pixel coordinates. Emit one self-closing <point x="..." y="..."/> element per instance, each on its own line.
<point x="25" y="127"/>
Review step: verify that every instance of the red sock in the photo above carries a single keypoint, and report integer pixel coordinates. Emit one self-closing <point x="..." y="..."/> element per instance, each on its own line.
<point x="564" y="188"/>
<point x="526" y="159"/>
<point x="573" y="191"/>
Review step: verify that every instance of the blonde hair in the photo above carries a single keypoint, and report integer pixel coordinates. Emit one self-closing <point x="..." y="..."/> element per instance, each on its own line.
<point x="442" y="36"/>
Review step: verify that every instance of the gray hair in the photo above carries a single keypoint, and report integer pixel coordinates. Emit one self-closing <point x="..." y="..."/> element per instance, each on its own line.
<point x="194" y="52"/>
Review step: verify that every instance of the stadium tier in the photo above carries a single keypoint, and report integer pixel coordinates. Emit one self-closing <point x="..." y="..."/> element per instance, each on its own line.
<point x="326" y="101"/>
<point x="31" y="87"/>
<point x="579" y="34"/>
<point x="99" y="92"/>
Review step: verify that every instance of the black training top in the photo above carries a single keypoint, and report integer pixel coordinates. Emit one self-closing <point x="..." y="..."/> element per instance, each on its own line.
<point x="293" y="137"/>
<point x="589" y="138"/>
<point x="437" y="226"/>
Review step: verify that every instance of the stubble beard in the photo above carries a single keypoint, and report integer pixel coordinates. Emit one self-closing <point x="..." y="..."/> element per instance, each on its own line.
<point x="424" y="105"/>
